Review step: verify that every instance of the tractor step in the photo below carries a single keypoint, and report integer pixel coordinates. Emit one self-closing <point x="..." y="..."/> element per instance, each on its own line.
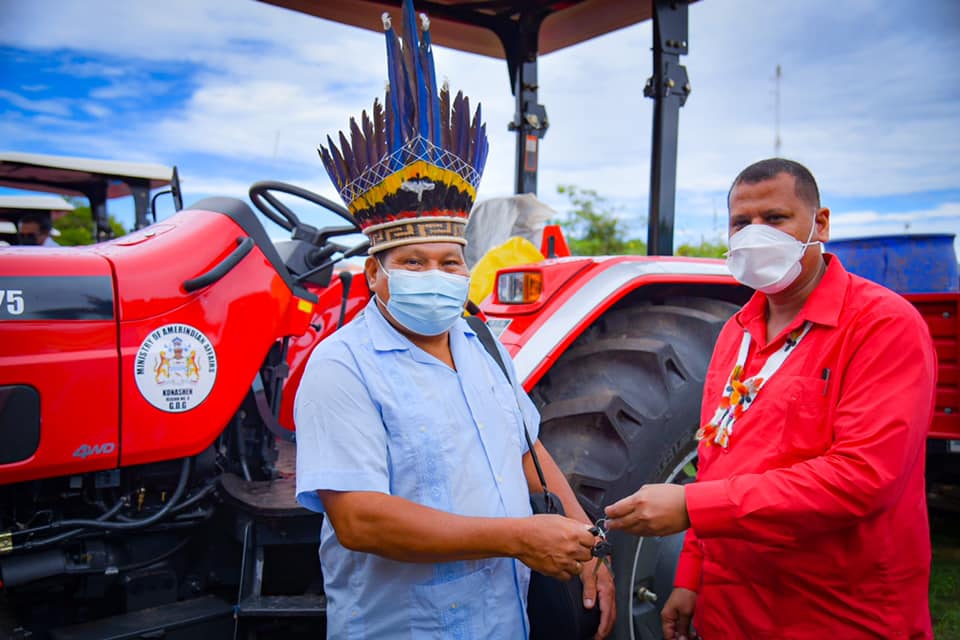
<point x="205" y="617"/>
<point x="266" y="498"/>
<point x="301" y="606"/>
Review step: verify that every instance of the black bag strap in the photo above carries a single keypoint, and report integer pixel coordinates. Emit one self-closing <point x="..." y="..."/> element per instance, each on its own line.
<point x="489" y="343"/>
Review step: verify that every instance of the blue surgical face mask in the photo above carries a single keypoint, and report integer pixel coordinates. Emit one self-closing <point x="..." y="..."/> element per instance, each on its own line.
<point x="427" y="303"/>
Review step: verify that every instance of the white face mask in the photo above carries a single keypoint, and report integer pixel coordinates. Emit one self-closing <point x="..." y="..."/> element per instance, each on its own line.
<point x="765" y="258"/>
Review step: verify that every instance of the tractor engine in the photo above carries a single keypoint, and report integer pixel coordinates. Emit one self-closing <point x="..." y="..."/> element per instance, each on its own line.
<point x="119" y="538"/>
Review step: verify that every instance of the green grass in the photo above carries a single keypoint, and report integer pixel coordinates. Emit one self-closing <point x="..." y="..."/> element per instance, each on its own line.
<point x="945" y="575"/>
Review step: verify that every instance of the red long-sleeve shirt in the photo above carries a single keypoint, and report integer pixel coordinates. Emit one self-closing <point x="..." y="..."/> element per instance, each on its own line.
<point x="812" y="524"/>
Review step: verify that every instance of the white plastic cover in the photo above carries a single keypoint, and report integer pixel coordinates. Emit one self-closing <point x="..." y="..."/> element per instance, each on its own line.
<point x="495" y="220"/>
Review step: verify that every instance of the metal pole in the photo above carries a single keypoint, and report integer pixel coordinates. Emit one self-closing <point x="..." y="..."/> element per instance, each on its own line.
<point x="520" y="43"/>
<point x="669" y="88"/>
<point x="97" y="196"/>
<point x="140" y="190"/>
<point x="530" y="124"/>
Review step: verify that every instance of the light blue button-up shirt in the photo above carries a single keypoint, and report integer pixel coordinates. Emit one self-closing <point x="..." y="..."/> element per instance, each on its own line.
<point x="374" y="412"/>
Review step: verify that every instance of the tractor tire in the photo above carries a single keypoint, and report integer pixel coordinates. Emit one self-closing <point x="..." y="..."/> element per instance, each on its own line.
<point x="620" y="409"/>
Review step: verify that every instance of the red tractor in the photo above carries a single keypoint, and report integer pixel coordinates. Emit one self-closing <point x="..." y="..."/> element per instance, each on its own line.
<point x="146" y="382"/>
<point x="140" y="402"/>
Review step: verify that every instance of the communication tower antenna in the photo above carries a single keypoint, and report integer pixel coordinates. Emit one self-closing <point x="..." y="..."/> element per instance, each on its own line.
<point x="776" y="114"/>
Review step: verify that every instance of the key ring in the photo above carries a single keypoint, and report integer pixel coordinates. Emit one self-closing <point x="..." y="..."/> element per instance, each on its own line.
<point x="603" y="547"/>
<point x="599" y="528"/>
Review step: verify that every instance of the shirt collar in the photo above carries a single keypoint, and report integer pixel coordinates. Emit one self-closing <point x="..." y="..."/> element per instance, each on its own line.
<point x="385" y="337"/>
<point x="825" y="303"/>
<point x="822" y="307"/>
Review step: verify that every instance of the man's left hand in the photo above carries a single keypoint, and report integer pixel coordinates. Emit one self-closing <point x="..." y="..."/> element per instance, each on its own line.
<point x="598" y="586"/>
<point x="654" y="510"/>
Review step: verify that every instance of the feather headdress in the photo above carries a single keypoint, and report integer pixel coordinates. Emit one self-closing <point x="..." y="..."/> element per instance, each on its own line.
<point x="410" y="170"/>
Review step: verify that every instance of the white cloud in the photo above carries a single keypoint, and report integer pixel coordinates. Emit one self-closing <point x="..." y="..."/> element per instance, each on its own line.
<point x="945" y="216"/>
<point x="868" y="108"/>
<point x="95" y="110"/>
<point x="49" y="107"/>
<point x="866" y="102"/>
<point x="91" y="69"/>
<point x="131" y="89"/>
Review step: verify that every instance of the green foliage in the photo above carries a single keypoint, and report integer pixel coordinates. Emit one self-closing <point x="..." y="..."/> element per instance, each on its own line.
<point x="945" y="575"/>
<point x="76" y="227"/>
<point x="593" y="228"/>
<point x="705" y="249"/>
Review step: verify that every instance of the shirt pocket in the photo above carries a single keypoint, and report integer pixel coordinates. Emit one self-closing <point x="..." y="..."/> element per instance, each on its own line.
<point x="420" y="449"/>
<point x="805" y="431"/>
<point x="456" y="609"/>
<point x="507" y="411"/>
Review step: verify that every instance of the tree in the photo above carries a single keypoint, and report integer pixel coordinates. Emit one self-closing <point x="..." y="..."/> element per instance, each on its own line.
<point x="593" y="227"/>
<point x="76" y="227"/>
<point x="705" y="249"/>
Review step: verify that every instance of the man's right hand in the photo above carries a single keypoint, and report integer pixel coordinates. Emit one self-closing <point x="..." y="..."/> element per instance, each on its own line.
<point x="677" y="614"/>
<point x="555" y="545"/>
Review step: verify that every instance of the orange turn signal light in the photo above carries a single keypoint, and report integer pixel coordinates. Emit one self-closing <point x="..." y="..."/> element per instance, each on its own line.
<point x="519" y="287"/>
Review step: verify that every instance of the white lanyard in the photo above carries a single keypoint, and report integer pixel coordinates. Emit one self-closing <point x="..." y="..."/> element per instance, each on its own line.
<point x="739" y="395"/>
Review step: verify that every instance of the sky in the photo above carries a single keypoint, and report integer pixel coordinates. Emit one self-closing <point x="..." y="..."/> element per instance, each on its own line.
<point x="235" y="91"/>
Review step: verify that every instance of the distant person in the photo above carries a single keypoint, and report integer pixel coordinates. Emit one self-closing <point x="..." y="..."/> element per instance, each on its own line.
<point x="808" y="517"/>
<point x="37" y="228"/>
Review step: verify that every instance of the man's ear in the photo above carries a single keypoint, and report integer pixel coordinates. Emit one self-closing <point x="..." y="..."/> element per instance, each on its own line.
<point x="371" y="271"/>
<point x="823" y="224"/>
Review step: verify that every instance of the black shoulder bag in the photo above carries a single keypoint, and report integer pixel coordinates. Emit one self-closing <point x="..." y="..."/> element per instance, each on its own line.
<point x="554" y="607"/>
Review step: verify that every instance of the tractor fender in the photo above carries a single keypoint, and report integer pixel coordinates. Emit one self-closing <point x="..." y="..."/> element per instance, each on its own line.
<point x="537" y="342"/>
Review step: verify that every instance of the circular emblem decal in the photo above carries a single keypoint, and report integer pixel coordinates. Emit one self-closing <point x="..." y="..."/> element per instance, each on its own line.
<point x="175" y="368"/>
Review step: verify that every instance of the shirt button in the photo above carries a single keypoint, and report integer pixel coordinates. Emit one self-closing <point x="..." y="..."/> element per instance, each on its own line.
<point x="500" y="479"/>
<point x="480" y="426"/>
<point x="453" y="606"/>
<point x="422" y="429"/>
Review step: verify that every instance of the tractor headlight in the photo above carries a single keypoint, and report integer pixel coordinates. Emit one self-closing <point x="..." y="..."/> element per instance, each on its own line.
<point x="519" y="287"/>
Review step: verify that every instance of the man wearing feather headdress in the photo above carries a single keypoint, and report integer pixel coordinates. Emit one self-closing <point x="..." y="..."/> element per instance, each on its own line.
<point x="409" y="437"/>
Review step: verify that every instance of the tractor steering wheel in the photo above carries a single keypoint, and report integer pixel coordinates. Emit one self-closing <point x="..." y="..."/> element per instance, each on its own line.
<point x="270" y="206"/>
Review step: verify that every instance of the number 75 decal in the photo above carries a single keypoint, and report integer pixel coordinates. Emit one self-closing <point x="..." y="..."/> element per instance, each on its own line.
<point x="11" y="301"/>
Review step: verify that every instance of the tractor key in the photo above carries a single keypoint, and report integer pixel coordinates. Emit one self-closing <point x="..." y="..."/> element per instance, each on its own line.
<point x="603" y="547"/>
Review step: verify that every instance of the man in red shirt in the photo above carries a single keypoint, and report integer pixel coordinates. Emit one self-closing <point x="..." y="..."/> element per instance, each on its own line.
<point x="808" y="517"/>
